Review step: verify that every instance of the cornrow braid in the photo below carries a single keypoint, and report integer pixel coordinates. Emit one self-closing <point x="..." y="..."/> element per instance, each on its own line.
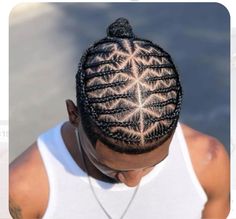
<point x="103" y="86"/>
<point x="106" y="72"/>
<point x="114" y="111"/>
<point x="128" y="91"/>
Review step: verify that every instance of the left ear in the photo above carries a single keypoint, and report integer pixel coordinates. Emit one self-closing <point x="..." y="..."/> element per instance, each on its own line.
<point x="72" y="111"/>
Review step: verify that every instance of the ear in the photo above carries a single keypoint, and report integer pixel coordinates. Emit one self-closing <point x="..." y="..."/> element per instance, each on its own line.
<point x="72" y="111"/>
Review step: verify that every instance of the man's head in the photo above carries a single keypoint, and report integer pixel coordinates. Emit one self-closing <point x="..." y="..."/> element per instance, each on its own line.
<point x="128" y="92"/>
<point x="126" y="168"/>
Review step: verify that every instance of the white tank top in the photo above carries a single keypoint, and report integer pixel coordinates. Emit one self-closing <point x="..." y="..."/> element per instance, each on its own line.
<point x="170" y="191"/>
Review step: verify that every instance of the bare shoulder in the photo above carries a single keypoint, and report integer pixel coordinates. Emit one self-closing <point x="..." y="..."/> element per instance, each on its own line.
<point x="204" y="146"/>
<point x="28" y="185"/>
<point x="211" y="163"/>
<point x="207" y="153"/>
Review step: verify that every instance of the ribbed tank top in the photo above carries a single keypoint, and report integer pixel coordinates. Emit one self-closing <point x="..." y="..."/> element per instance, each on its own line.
<point x="170" y="191"/>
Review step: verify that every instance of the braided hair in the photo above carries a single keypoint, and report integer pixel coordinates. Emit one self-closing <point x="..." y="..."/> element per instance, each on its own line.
<point x="128" y="91"/>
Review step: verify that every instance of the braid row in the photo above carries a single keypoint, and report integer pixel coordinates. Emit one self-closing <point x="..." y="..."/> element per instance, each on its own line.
<point x="161" y="104"/>
<point x="168" y="116"/>
<point x="159" y="90"/>
<point x="103" y="86"/>
<point x="107" y="73"/>
<point x="114" y="111"/>
<point x="144" y="67"/>
<point x="110" y="98"/>
<point x="96" y="64"/>
<point x="160" y="78"/>
<point x="144" y="54"/>
<point x="129" y="124"/>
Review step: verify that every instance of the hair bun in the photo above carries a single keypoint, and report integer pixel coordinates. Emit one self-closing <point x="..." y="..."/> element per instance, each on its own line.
<point x="120" y="29"/>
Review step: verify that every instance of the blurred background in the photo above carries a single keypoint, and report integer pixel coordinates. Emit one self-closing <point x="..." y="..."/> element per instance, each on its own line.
<point x="48" y="39"/>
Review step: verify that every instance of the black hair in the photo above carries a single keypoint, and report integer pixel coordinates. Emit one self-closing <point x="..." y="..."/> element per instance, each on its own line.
<point x="128" y="91"/>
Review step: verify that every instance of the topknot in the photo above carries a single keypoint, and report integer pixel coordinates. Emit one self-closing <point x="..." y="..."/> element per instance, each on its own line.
<point x="120" y="29"/>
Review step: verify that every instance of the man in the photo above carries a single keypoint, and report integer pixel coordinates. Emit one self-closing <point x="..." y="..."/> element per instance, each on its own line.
<point x="123" y="153"/>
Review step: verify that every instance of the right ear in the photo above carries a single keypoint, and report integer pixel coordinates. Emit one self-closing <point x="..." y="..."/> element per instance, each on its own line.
<point x="72" y="111"/>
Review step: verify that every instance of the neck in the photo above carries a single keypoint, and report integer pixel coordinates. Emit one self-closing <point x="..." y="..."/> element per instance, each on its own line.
<point x="94" y="172"/>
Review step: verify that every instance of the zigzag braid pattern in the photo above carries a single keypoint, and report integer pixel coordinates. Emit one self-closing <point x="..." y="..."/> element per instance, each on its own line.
<point x="130" y="89"/>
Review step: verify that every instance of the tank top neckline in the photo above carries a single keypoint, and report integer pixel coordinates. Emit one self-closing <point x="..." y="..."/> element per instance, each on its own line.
<point x="99" y="183"/>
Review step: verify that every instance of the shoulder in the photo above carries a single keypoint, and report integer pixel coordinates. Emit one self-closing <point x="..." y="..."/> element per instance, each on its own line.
<point x="212" y="167"/>
<point x="211" y="164"/>
<point x="205" y="148"/>
<point x="28" y="185"/>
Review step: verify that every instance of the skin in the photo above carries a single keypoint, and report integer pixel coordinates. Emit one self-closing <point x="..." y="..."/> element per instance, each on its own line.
<point x="209" y="158"/>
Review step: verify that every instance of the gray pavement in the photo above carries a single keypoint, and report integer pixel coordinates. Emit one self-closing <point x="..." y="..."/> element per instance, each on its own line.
<point x="47" y="40"/>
